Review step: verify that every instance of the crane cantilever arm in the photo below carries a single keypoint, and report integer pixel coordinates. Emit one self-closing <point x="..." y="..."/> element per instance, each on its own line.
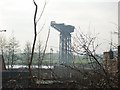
<point x="56" y="26"/>
<point x="62" y="27"/>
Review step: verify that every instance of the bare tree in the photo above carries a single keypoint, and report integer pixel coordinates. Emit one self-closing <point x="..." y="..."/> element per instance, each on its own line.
<point x="35" y="33"/>
<point x="12" y="49"/>
<point x="45" y="46"/>
<point x="2" y="48"/>
<point x="86" y="45"/>
<point x="13" y="46"/>
<point x="27" y="52"/>
<point x="2" y="43"/>
<point x="39" y="51"/>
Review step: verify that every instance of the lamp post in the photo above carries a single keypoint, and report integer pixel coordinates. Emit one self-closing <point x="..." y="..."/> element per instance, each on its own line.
<point x="51" y="58"/>
<point x="2" y="30"/>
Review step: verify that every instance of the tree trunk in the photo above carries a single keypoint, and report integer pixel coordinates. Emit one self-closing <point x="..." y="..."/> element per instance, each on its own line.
<point x="33" y="47"/>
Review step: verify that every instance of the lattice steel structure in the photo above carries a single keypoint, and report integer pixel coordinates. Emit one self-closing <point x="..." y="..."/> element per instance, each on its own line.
<point x="65" y="55"/>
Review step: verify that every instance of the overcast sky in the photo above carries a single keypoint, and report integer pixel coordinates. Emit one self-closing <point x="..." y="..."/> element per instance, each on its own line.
<point x="95" y="16"/>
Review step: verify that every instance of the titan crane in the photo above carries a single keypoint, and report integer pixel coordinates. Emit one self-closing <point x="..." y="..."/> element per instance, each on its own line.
<point x="65" y="55"/>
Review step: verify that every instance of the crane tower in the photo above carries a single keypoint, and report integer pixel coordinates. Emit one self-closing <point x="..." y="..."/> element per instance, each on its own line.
<point x="65" y="55"/>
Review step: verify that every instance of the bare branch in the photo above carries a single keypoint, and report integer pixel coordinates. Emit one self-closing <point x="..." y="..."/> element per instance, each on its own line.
<point x="45" y="45"/>
<point x="35" y="33"/>
<point x="41" y="28"/>
<point x="41" y="13"/>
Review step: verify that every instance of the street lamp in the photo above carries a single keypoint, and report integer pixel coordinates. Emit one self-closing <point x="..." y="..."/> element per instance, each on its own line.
<point x="2" y="30"/>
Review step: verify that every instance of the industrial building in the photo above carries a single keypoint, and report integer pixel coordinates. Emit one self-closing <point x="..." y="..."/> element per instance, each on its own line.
<point x="110" y="62"/>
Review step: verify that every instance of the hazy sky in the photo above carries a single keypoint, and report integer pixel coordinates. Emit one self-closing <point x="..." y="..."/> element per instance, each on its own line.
<point x="95" y="16"/>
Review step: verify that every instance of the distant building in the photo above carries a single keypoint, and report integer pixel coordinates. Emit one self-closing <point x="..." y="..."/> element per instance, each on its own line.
<point x="110" y="62"/>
